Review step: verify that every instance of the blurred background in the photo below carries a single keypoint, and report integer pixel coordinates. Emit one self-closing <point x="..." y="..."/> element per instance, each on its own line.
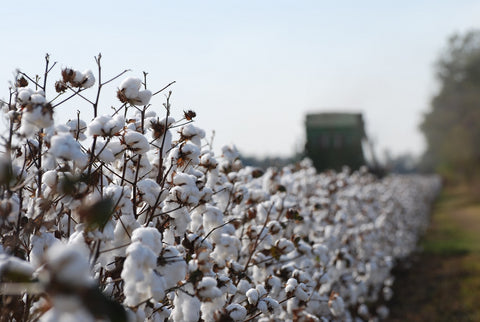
<point x="253" y="70"/>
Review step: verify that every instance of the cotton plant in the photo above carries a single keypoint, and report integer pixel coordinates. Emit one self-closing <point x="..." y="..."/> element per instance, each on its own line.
<point x="131" y="208"/>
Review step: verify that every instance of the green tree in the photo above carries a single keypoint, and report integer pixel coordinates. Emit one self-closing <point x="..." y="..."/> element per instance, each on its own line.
<point x="452" y="126"/>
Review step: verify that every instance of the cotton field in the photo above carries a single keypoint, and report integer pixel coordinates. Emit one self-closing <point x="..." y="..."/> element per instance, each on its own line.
<point x="131" y="216"/>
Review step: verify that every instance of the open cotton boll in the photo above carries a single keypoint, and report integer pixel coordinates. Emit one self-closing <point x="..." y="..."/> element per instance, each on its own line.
<point x="130" y="87"/>
<point x="14" y="265"/>
<point x="236" y="312"/>
<point x="23" y="96"/>
<point x="64" y="146"/>
<point x="36" y="118"/>
<point x="252" y="296"/>
<point x="67" y="264"/>
<point x="136" y="142"/>
<point x="173" y="267"/>
<point x="186" y="307"/>
<point x="77" y="128"/>
<point x="144" y="97"/>
<point x="103" y="152"/>
<point x="207" y="289"/>
<point x="105" y="125"/>
<point x="150" y="237"/>
<point x="149" y="191"/>
<point x="192" y="133"/>
<point x="88" y="80"/>
<point x="230" y="153"/>
<point x="336" y="305"/>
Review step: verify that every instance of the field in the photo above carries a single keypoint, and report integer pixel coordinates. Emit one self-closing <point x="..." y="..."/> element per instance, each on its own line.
<point x="442" y="283"/>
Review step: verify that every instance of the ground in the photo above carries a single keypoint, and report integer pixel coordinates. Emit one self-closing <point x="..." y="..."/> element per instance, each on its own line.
<point x="441" y="282"/>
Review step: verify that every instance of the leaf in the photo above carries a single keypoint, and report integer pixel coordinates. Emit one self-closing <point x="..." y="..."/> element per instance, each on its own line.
<point x="97" y="214"/>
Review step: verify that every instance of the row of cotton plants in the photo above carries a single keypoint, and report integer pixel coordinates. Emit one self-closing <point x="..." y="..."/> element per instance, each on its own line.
<point x="130" y="216"/>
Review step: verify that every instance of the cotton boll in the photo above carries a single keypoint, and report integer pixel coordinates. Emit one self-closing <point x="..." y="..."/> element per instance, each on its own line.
<point x="230" y="153"/>
<point x="136" y="142"/>
<point x="23" y="96"/>
<point x="172" y="266"/>
<point x="105" y="125"/>
<point x="236" y="312"/>
<point x="186" y="308"/>
<point x="36" y="118"/>
<point x="207" y="289"/>
<point x="150" y="192"/>
<point x="252" y="296"/>
<point x="291" y="285"/>
<point x="103" y="152"/>
<point x="336" y="305"/>
<point x="192" y="133"/>
<point x="40" y="244"/>
<point x="144" y="97"/>
<point x="262" y="306"/>
<point x="64" y="146"/>
<point x="243" y="286"/>
<point x="302" y="292"/>
<point x="11" y="264"/>
<point x="77" y="128"/>
<point x="66" y="264"/>
<point x="88" y="80"/>
<point x="130" y="86"/>
<point x="150" y="237"/>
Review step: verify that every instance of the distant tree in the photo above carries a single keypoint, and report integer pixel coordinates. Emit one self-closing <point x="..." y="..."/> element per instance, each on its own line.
<point x="452" y="126"/>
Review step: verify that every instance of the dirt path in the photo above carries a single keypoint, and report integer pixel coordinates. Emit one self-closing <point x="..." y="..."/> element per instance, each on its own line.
<point x="442" y="283"/>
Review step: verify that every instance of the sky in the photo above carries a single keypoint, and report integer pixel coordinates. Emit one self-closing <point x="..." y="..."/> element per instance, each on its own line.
<point x="251" y="69"/>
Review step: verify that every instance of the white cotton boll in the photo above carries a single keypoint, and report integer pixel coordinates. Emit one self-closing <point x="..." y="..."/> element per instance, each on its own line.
<point x="336" y="305"/>
<point x="230" y="153"/>
<point x="103" y="152"/>
<point x="77" y="128"/>
<point x="321" y="251"/>
<point x="236" y="312"/>
<point x="144" y="97"/>
<point x="150" y="191"/>
<point x="50" y="178"/>
<point x="262" y="306"/>
<point x="35" y="119"/>
<point x="207" y="289"/>
<point x="130" y="87"/>
<point x="191" y="309"/>
<point x="88" y="80"/>
<point x="40" y="244"/>
<point x="37" y="99"/>
<point x="291" y="285"/>
<point x="382" y="312"/>
<point x="261" y="290"/>
<point x="192" y="133"/>
<point x="302" y="292"/>
<point x="67" y="264"/>
<point x="136" y="142"/>
<point x="15" y="265"/>
<point x="175" y="268"/>
<point x="252" y="296"/>
<point x="64" y="146"/>
<point x="243" y="286"/>
<point x="105" y="125"/>
<point x="272" y="304"/>
<point x="157" y="287"/>
<point x="78" y="76"/>
<point x="23" y="96"/>
<point x="284" y="246"/>
<point x="150" y="237"/>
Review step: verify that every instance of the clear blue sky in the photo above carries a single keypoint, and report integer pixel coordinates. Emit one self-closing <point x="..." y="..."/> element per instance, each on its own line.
<point x="252" y="69"/>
